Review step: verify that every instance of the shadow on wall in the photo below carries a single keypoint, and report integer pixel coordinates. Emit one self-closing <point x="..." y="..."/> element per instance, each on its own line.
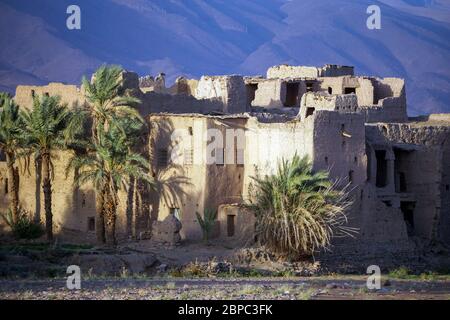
<point x="170" y="181"/>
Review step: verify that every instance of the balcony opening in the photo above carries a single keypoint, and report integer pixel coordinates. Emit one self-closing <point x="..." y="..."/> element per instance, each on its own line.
<point x="292" y="90"/>
<point x="251" y="92"/>
<point x="381" y="168"/>
<point x="350" y="90"/>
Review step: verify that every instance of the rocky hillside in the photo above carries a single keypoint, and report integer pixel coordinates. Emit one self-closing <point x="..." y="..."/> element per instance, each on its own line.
<point x="195" y="37"/>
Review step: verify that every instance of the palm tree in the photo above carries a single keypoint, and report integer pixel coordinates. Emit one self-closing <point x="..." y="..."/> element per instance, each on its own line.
<point x="50" y="126"/>
<point x="110" y="167"/>
<point x="298" y="211"/>
<point x="11" y="125"/>
<point x="108" y="105"/>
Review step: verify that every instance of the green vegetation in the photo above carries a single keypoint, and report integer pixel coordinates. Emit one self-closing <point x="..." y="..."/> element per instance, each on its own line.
<point x="405" y="273"/>
<point x="48" y="127"/>
<point x="207" y="222"/>
<point x="298" y="211"/>
<point x="11" y="139"/>
<point x="23" y="226"/>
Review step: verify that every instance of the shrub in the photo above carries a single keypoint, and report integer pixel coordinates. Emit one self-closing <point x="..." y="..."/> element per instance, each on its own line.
<point x="207" y="222"/>
<point x="24" y="227"/>
<point x="298" y="211"/>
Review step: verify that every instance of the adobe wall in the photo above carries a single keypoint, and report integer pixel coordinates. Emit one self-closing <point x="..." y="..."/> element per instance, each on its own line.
<point x="70" y="94"/>
<point x="314" y="101"/>
<point x="286" y="71"/>
<point x="153" y="102"/>
<point x="228" y="89"/>
<point x="192" y="186"/>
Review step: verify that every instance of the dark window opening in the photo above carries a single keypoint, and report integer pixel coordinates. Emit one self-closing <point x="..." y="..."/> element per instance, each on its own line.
<point x="33" y="93"/>
<point x="381" y="168"/>
<point x="408" y="215"/>
<point x="309" y="87"/>
<point x="251" y="92"/>
<point x="230" y="225"/>
<point x="291" y="95"/>
<point x="400" y="182"/>
<point x="309" y="111"/>
<point x="350" y="176"/>
<point x="83" y="200"/>
<point x="349" y="90"/>
<point x="2" y="156"/>
<point x="163" y="157"/>
<point x="91" y="224"/>
<point x="191" y="131"/>
<point x="6" y="186"/>
<point x="330" y="90"/>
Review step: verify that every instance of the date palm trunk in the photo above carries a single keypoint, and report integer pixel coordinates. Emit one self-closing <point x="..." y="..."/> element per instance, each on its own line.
<point x="110" y="220"/>
<point x="100" y="216"/>
<point x="12" y="185"/>
<point x="47" y="189"/>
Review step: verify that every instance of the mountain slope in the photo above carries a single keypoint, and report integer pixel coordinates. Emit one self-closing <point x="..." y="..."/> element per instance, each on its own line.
<point x="195" y="37"/>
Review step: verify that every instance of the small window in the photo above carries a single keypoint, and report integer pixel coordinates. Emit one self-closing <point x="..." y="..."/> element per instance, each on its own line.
<point x="33" y="93"/>
<point x="330" y="90"/>
<point x="6" y="186"/>
<point x="83" y="200"/>
<point x="2" y="156"/>
<point x="163" y="157"/>
<point x="309" y="87"/>
<point x="191" y="131"/>
<point x="326" y="160"/>
<point x="91" y="224"/>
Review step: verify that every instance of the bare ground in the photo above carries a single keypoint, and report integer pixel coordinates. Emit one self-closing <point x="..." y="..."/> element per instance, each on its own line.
<point x="321" y="288"/>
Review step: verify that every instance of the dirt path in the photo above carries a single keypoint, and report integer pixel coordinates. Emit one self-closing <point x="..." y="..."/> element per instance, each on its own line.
<point x="260" y="288"/>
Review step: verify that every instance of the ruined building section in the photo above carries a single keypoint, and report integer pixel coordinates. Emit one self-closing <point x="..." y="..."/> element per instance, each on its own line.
<point x="409" y="165"/>
<point x="312" y="102"/>
<point x="230" y="90"/>
<point x="396" y="169"/>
